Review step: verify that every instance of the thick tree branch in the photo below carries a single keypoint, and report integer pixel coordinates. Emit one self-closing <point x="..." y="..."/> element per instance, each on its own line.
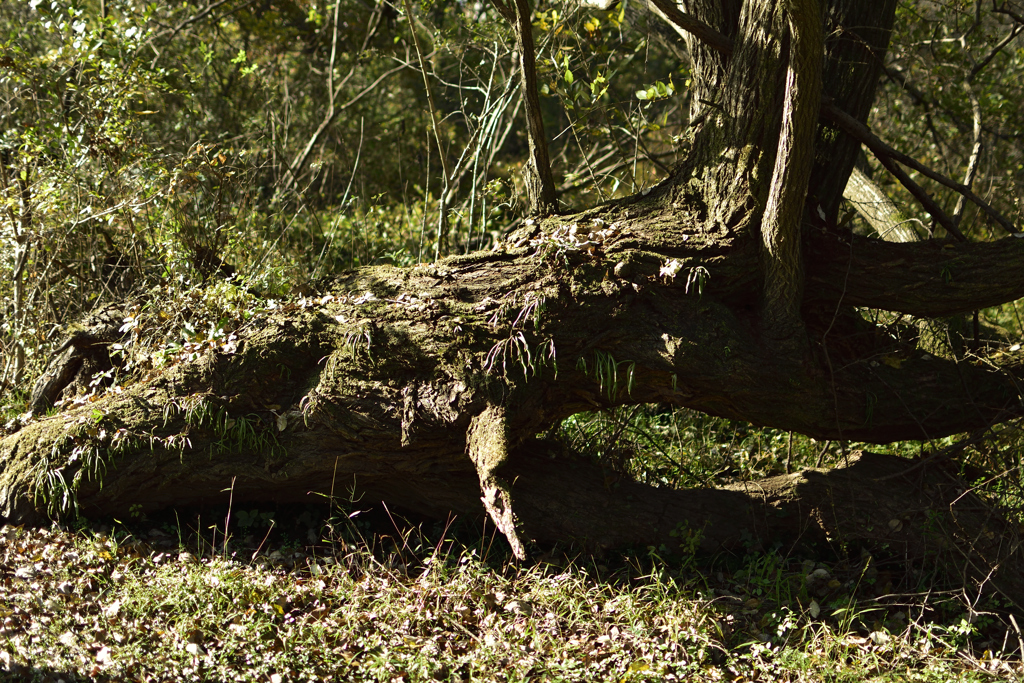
<point x="874" y="500"/>
<point x="425" y="385"/>
<point x="383" y="385"/>
<point x="878" y="209"/>
<point x="928" y="279"/>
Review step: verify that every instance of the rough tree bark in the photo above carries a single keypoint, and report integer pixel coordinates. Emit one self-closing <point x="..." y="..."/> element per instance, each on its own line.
<point x="427" y="386"/>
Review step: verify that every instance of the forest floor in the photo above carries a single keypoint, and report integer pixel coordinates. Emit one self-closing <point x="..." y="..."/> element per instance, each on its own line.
<point x="297" y="595"/>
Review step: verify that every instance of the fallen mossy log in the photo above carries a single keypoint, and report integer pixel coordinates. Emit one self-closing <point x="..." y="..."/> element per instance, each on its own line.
<point x="888" y="506"/>
<point x="425" y="389"/>
<point x="426" y="386"/>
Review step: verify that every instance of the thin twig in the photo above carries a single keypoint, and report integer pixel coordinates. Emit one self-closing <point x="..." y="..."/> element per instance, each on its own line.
<point x="996" y="49"/>
<point x="299" y="162"/>
<point x="344" y="199"/>
<point x="1008" y="12"/>
<point x="434" y="120"/>
<point x="902" y="81"/>
<point x="191" y="20"/>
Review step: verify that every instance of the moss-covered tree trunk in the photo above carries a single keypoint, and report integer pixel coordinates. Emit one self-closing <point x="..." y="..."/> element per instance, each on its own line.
<point x="427" y="386"/>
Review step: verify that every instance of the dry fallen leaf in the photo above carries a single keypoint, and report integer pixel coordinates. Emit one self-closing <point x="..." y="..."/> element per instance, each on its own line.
<point x="26" y="572"/>
<point x="111" y="610"/>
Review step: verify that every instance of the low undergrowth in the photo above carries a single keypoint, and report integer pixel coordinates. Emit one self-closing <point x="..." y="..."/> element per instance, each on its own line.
<point x="306" y="599"/>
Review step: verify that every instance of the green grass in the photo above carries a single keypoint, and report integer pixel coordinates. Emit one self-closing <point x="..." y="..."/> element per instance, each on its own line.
<point x="343" y="599"/>
<point x="299" y="596"/>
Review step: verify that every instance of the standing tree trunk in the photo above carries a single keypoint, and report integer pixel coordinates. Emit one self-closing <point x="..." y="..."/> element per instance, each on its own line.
<point x="540" y="185"/>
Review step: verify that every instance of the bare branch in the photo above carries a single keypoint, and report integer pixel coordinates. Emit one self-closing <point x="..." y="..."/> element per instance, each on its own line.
<point x="902" y="81"/>
<point x="299" y="162"/>
<point x="972" y="162"/>
<point x="887" y="155"/>
<point x="442" y="209"/>
<point x="434" y="118"/>
<point x="594" y="176"/>
<point x="191" y="20"/>
<point x="1008" y="12"/>
<point x="878" y="209"/>
<point x="996" y="49"/>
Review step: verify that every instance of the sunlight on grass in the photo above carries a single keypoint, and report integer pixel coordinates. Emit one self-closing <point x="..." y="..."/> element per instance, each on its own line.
<point x="92" y="605"/>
